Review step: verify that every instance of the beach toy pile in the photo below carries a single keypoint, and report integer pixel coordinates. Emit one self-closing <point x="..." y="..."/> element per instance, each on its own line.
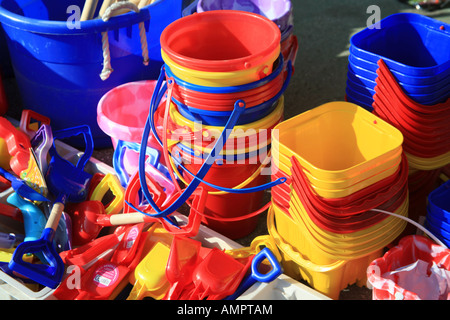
<point x="343" y="163"/>
<point x="57" y="224"/>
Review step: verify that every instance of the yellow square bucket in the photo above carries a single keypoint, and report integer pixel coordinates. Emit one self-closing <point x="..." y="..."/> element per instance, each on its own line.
<point x="337" y="140"/>
<point x="327" y="278"/>
<point x="332" y="189"/>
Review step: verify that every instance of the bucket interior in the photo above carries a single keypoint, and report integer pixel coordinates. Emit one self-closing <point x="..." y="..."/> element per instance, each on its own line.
<point x="220" y="39"/>
<point x="412" y="44"/>
<point x="43" y="9"/>
<point x="128" y="105"/>
<point x="337" y="140"/>
<point x="269" y="9"/>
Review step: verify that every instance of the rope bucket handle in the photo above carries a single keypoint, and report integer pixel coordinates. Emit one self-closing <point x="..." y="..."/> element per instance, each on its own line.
<point x="120" y="5"/>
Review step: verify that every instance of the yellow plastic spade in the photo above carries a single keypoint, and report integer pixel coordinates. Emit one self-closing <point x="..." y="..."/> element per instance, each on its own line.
<point x="150" y="274"/>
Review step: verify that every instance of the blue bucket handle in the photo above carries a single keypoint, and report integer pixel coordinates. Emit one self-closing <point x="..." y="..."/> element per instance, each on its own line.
<point x="224" y="189"/>
<point x="232" y="190"/>
<point x="85" y="130"/>
<point x="239" y="108"/>
<point x="269" y="102"/>
<point x="118" y="157"/>
<point x="256" y="275"/>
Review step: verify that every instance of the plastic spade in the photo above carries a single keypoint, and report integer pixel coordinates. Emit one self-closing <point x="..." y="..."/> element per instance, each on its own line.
<point x="150" y="274"/>
<point x="183" y="259"/>
<point x="68" y="183"/>
<point x="89" y="218"/>
<point x="215" y="274"/>
<point x="256" y="275"/>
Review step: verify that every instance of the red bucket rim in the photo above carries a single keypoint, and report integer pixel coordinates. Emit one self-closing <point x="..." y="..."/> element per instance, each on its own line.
<point x="178" y="26"/>
<point x="225" y="102"/>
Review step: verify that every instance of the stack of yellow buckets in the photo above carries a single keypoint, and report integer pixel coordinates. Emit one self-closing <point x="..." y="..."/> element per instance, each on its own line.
<point x="344" y="165"/>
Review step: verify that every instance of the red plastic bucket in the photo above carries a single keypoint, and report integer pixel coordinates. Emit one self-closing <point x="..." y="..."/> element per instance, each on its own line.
<point x="229" y="206"/>
<point x="225" y="102"/>
<point x="409" y="250"/>
<point x="415" y="143"/>
<point x="221" y="41"/>
<point x="385" y="77"/>
<point x="370" y="197"/>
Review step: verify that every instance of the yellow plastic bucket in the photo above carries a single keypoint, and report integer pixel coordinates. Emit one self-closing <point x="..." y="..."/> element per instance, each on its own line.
<point x="348" y="240"/>
<point x="327" y="278"/>
<point x="331" y="189"/>
<point x="428" y="163"/>
<point x="221" y="79"/>
<point x="378" y="173"/>
<point x="320" y="249"/>
<point x="337" y="140"/>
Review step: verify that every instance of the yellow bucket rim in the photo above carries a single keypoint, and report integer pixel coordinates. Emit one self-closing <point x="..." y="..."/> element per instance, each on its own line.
<point x="292" y="123"/>
<point x="428" y="163"/>
<point x="330" y="188"/>
<point x="340" y="193"/>
<point x="298" y="257"/>
<point x="221" y="79"/>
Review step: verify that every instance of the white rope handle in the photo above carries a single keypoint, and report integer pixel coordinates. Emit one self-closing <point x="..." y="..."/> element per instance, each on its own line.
<point x="431" y="235"/>
<point x="120" y="5"/>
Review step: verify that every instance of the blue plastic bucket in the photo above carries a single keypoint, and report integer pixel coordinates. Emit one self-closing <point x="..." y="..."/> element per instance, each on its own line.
<point x="57" y="68"/>
<point x="439" y="224"/>
<point x="439" y="90"/>
<point x="439" y="202"/>
<point x="364" y="66"/>
<point x="361" y="67"/>
<point x="359" y="99"/>
<point x="441" y="234"/>
<point x="430" y="99"/>
<point x="410" y="43"/>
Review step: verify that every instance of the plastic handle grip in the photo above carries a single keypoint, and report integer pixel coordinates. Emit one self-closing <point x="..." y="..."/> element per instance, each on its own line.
<point x="258" y="276"/>
<point x="74" y="131"/>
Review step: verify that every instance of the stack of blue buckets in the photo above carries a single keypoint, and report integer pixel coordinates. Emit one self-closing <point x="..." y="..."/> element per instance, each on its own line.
<point x="438" y="213"/>
<point x="415" y="48"/>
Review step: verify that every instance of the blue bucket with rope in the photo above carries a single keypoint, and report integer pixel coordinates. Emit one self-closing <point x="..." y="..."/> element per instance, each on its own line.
<point x="64" y="66"/>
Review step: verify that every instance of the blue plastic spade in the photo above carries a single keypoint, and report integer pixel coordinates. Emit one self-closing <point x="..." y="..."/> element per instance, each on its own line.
<point x="67" y="183"/>
<point x="256" y="275"/>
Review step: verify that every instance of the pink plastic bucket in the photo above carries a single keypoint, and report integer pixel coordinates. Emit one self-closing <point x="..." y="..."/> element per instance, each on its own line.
<point x="122" y="113"/>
